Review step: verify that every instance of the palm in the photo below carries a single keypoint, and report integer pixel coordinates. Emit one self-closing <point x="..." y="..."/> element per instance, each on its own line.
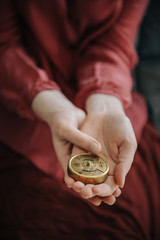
<point x="114" y="132"/>
<point x="116" y="136"/>
<point x="106" y="130"/>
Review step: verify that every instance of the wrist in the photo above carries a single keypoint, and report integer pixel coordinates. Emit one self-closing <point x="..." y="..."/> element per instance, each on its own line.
<point x="104" y="103"/>
<point x="48" y="102"/>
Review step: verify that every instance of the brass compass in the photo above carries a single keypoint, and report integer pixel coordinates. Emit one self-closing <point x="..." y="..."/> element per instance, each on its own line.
<point x="88" y="168"/>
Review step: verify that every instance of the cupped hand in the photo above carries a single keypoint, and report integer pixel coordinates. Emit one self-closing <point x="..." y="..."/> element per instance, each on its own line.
<point x="117" y="139"/>
<point x="65" y="126"/>
<point x="64" y="120"/>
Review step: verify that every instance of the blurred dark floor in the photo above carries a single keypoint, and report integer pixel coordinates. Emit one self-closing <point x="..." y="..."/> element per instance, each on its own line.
<point x="148" y="70"/>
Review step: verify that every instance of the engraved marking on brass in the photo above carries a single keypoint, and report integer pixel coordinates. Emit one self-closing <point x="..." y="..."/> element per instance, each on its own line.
<point x="88" y="168"/>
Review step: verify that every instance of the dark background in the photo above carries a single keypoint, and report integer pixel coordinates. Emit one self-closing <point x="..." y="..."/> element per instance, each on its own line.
<point x="148" y="69"/>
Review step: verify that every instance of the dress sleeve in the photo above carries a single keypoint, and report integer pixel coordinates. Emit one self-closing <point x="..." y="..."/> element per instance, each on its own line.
<point x="106" y="62"/>
<point x="20" y="78"/>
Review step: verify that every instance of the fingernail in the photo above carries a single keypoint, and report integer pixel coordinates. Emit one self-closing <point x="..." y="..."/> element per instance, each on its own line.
<point x="95" y="148"/>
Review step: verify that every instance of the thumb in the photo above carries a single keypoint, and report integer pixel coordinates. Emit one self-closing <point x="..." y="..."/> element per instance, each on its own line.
<point x="81" y="140"/>
<point x="124" y="162"/>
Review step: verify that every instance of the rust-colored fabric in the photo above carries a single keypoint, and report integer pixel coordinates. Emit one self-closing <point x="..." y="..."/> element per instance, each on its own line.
<point x="78" y="47"/>
<point x="35" y="206"/>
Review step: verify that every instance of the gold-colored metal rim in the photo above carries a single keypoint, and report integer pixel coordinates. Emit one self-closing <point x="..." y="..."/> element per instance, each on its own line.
<point x="84" y="178"/>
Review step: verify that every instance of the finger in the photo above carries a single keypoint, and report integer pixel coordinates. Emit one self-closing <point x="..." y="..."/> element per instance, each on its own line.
<point x="105" y="189"/>
<point x="77" y="186"/>
<point x="86" y="191"/>
<point x="125" y="159"/>
<point x="95" y="200"/>
<point x="69" y="181"/>
<point x="110" y="200"/>
<point x="117" y="192"/>
<point x="80" y="139"/>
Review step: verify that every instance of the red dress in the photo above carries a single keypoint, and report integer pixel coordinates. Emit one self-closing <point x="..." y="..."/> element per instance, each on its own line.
<point x="79" y="48"/>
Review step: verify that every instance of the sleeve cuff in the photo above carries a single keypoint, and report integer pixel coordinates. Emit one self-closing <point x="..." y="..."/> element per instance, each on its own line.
<point x="106" y="79"/>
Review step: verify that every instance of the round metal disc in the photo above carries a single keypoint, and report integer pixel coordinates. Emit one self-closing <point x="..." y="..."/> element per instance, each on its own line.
<point x="88" y="168"/>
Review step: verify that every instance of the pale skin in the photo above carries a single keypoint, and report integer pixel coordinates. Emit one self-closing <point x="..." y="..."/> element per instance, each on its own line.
<point x="103" y="130"/>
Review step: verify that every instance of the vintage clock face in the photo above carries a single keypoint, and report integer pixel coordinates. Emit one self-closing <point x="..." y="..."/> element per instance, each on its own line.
<point x="88" y="168"/>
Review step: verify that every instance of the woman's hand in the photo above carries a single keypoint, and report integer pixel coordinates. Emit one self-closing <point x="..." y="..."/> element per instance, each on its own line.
<point x="107" y="122"/>
<point x="64" y="120"/>
<point x="105" y="131"/>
